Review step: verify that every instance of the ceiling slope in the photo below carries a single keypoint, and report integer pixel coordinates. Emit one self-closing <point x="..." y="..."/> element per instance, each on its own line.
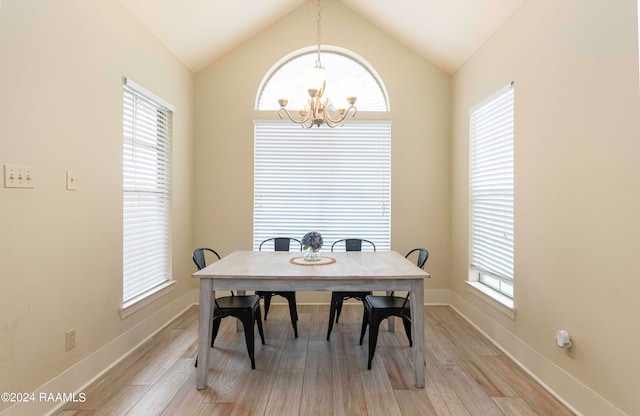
<point x="445" y="32"/>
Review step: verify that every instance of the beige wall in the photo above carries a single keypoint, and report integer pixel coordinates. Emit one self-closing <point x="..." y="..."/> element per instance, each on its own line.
<point x="575" y="65"/>
<point x="61" y="69"/>
<point x="577" y="131"/>
<point x="419" y="95"/>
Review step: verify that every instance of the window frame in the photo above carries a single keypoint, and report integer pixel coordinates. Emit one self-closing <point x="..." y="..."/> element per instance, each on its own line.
<point x="339" y="62"/>
<point x="491" y="222"/>
<point x="147" y="195"/>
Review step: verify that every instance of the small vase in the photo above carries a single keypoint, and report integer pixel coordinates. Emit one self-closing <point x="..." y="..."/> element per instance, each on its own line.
<point x="311" y="254"/>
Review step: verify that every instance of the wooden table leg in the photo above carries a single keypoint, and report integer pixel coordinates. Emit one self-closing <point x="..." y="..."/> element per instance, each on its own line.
<point x="417" y="330"/>
<point x="204" y="331"/>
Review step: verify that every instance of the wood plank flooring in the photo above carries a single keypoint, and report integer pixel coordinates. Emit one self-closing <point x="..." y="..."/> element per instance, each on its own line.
<point x="465" y="373"/>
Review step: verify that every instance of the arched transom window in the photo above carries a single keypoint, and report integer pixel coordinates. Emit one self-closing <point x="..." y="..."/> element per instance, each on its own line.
<point x="345" y="70"/>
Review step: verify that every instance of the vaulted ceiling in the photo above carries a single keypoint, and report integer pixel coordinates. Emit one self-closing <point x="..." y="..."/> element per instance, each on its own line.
<point x="445" y="32"/>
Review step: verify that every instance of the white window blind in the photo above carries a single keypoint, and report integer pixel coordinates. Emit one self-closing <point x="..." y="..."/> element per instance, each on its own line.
<point x="334" y="181"/>
<point x="491" y="189"/>
<point x="147" y="191"/>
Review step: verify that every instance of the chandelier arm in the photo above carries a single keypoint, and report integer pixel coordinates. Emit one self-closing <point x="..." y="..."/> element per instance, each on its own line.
<point x="302" y="120"/>
<point x="342" y="117"/>
<point x="321" y="92"/>
<point x="332" y="124"/>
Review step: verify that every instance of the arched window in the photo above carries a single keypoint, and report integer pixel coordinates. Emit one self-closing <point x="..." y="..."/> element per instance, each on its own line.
<point x="342" y="66"/>
<point x="332" y="180"/>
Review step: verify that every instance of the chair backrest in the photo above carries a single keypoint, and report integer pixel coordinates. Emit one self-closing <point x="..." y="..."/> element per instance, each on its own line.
<point x="282" y="243"/>
<point x="423" y="255"/>
<point x="199" y="259"/>
<point x="353" y="244"/>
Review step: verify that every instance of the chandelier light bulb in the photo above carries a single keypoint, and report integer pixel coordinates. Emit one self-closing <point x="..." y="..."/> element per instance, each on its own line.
<point x="314" y="78"/>
<point x="284" y="91"/>
<point x="350" y="87"/>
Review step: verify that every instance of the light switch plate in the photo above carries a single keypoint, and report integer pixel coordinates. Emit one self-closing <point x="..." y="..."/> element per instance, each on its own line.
<point x="71" y="180"/>
<point x="18" y="176"/>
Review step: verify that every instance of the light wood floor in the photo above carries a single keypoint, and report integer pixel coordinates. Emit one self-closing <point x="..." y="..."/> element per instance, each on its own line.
<point x="466" y="374"/>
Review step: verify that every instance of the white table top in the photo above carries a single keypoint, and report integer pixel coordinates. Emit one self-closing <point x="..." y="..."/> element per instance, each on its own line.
<point x="353" y="265"/>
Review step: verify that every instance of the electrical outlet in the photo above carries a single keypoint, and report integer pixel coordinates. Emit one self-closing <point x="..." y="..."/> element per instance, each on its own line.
<point x="18" y="176"/>
<point x="70" y="340"/>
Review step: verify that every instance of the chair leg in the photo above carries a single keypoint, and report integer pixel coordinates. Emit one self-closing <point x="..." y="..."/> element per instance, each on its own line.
<point x="374" y="326"/>
<point x="291" y="298"/>
<point x="339" y="309"/>
<point x="407" y="328"/>
<point x="258" y="320"/>
<point x="332" y="314"/>
<point x="247" y="323"/>
<point x="365" y="322"/>
<point x="215" y="329"/>
<point x="295" y="309"/>
<point x="267" y="304"/>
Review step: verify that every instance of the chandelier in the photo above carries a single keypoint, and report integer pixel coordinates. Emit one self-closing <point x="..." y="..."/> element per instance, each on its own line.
<point x="318" y="110"/>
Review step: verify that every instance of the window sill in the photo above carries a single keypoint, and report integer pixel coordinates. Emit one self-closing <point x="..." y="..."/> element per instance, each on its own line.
<point x="497" y="300"/>
<point x="144" y="299"/>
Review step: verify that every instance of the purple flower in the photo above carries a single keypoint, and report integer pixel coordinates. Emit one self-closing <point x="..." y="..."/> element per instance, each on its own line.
<point x="312" y="240"/>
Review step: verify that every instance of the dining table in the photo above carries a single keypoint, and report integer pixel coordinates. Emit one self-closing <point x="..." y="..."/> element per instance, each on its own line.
<point x="288" y="271"/>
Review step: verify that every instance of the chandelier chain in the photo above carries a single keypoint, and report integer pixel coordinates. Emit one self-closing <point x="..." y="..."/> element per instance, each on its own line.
<point x="318" y="64"/>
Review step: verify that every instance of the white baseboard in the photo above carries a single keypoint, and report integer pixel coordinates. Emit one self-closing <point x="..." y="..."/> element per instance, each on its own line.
<point x="579" y="398"/>
<point x="83" y="373"/>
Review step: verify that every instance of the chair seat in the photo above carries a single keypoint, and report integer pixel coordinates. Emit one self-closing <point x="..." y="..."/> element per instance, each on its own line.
<point x="378" y="308"/>
<point x="385" y="302"/>
<point x="238" y="302"/>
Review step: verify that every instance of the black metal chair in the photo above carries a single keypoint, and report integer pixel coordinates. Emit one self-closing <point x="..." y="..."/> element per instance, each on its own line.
<point x="244" y="308"/>
<point x="281" y="244"/>
<point x="337" y="298"/>
<point x="378" y="308"/>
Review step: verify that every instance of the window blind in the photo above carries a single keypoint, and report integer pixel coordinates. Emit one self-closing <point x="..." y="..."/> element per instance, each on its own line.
<point x="146" y="191"/>
<point x="334" y="181"/>
<point x="491" y="186"/>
